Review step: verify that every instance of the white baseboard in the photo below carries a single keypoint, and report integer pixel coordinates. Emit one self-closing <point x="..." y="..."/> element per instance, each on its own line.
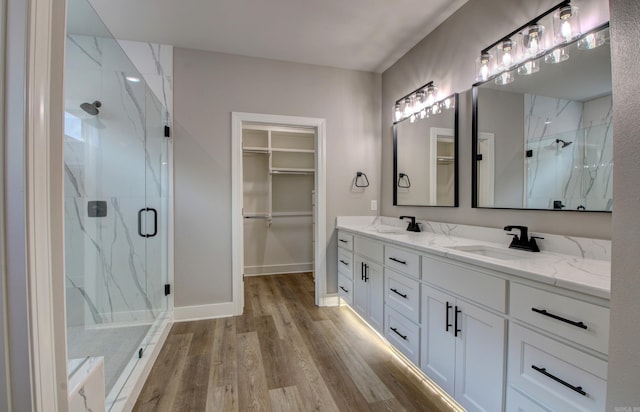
<point x="213" y="311"/>
<point x="278" y="269"/>
<point x="331" y="299"/>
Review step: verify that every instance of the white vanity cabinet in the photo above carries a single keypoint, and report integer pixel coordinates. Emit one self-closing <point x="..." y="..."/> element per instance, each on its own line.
<point x="463" y="349"/>
<point x="368" y="283"/>
<point x="345" y="267"/>
<point x="557" y="351"/>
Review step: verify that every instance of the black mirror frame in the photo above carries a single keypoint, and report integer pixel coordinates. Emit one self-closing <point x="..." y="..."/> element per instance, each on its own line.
<point x="455" y="96"/>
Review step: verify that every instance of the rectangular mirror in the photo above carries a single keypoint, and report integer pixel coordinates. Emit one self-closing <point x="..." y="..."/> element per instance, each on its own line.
<point x="544" y="140"/>
<point x="425" y="158"/>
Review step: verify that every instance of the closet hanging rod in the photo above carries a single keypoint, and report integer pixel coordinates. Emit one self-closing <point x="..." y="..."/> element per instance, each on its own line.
<point x="292" y="214"/>
<point x="257" y="217"/>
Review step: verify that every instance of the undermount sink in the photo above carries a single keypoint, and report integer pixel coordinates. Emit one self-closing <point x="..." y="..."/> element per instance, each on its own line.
<point x="492" y="252"/>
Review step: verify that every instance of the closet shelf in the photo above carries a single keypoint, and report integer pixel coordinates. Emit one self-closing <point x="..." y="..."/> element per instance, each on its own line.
<point x="291" y="214"/>
<point x="248" y="149"/>
<point x="292" y="171"/>
<point x="282" y="150"/>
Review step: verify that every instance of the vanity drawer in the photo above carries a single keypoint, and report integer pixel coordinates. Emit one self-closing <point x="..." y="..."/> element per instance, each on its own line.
<point x="556" y="375"/>
<point x="345" y="263"/>
<point x="517" y="402"/>
<point x="345" y="240"/>
<point x="582" y="322"/>
<point x="463" y="281"/>
<point x="402" y="261"/>
<point x="345" y="289"/>
<point x="402" y="334"/>
<point x="368" y="248"/>
<point x="402" y="294"/>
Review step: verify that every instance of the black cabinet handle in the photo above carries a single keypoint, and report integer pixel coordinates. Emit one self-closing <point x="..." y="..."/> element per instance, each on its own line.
<point x="398" y="260"/>
<point x="343" y="241"/>
<point x="560" y="381"/>
<point x="366" y="272"/>
<point x="398" y="293"/>
<point x="447" y="324"/>
<point x="456" y="330"/>
<point x="346" y="291"/>
<point x="398" y="333"/>
<point x="560" y="318"/>
<point x="362" y="271"/>
<point x="343" y="262"/>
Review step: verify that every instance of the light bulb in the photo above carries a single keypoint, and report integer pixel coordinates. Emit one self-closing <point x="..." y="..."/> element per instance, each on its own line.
<point x="398" y="112"/>
<point x="565" y="30"/>
<point x="507" y="58"/>
<point x="408" y="107"/>
<point x="412" y="118"/>
<point x="484" y="71"/>
<point x="423" y="113"/>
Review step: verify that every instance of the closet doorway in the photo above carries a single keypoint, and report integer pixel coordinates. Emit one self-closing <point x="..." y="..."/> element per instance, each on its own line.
<point x="278" y="199"/>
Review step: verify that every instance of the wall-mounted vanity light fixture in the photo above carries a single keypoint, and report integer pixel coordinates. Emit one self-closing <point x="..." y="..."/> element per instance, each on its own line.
<point x="422" y="103"/>
<point x="522" y="50"/>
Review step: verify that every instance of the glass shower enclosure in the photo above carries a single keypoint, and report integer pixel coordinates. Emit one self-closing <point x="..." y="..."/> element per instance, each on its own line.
<point x="116" y="196"/>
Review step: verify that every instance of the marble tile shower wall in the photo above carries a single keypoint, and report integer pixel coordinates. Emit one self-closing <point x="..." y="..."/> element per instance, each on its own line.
<point x="579" y="174"/>
<point x="119" y="157"/>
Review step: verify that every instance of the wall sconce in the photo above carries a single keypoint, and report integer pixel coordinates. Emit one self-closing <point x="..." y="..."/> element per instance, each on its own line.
<point x="421" y="103"/>
<point x="548" y="34"/>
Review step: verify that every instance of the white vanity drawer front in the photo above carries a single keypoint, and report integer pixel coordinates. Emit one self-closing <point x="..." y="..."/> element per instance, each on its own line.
<point x="581" y="322"/>
<point x="345" y="240"/>
<point x="345" y="263"/>
<point x="471" y="284"/>
<point x="402" y="334"/>
<point x="517" y="402"/>
<point x="556" y="375"/>
<point x="345" y="289"/>
<point x="403" y="294"/>
<point x="402" y="261"/>
<point x="368" y="248"/>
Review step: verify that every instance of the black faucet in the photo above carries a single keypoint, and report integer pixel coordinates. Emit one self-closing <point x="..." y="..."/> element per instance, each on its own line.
<point x="413" y="226"/>
<point x="523" y="242"/>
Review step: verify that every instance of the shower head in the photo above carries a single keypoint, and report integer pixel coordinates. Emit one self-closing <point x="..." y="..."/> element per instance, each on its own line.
<point x="564" y="144"/>
<point x="91" y="108"/>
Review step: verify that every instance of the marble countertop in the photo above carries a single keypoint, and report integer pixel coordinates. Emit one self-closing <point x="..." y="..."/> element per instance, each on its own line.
<point x="573" y="272"/>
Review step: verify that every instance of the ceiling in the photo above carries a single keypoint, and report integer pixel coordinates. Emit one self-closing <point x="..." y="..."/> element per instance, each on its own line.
<point x="367" y="35"/>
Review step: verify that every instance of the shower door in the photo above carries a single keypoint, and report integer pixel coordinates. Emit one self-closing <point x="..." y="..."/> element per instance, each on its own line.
<point x="115" y="187"/>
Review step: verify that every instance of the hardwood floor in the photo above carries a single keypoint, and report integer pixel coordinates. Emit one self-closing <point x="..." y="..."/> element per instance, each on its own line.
<point x="282" y="354"/>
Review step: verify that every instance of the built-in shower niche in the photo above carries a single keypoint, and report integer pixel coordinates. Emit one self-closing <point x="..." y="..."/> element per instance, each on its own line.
<point x="116" y="181"/>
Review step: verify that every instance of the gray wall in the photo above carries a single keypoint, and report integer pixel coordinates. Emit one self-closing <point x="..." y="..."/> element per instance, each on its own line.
<point x="502" y="113"/>
<point x="624" y="350"/>
<point x="447" y="56"/>
<point x="208" y="87"/>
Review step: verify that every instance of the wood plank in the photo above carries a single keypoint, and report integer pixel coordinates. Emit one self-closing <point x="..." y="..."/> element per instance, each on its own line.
<point x="388" y="405"/>
<point x="224" y="366"/>
<point x="201" y="341"/>
<point x="252" y="385"/>
<point x="160" y="394"/>
<point x="370" y="386"/>
<point x="194" y="384"/>
<point x="286" y="399"/>
<point x="222" y="398"/>
<point x="276" y="361"/>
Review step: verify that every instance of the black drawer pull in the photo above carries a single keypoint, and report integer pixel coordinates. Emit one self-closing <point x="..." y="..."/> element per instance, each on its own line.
<point x="343" y="262"/>
<point x="362" y="271"/>
<point x="343" y="241"/>
<point x="398" y="333"/>
<point x="398" y="293"/>
<point x="456" y="330"/>
<point x="555" y="378"/>
<point x="346" y="291"/>
<point x="447" y="324"/>
<point x="551" y="315"/>
<point x="398" y="260"/>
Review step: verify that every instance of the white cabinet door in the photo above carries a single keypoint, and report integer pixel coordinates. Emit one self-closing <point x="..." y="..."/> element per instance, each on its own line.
<point x="438" y="343"/>
<point x="360" y="290"/>
<point x="376" y="295"/>
<point x="480" y="354"/>
<point x="368" y="292"/>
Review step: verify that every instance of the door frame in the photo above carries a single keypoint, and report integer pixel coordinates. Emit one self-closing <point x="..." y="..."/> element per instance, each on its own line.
<point x="237" y="231"/>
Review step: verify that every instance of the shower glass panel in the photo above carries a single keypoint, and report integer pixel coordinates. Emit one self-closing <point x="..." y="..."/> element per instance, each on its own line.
<point x="116" y="179"/>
